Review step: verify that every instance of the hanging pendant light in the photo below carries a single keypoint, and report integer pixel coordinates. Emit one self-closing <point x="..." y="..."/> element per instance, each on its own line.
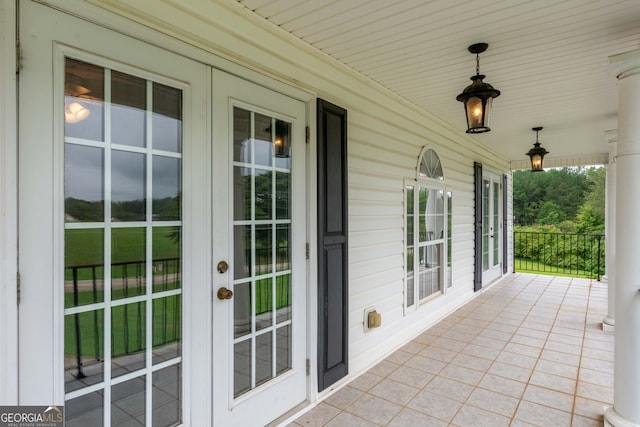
<point x="477" y="96"/>
<point x="537" y="153"/>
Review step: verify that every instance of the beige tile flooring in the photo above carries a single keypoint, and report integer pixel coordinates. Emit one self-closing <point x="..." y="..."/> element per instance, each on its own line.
<point x="528" y="351"/>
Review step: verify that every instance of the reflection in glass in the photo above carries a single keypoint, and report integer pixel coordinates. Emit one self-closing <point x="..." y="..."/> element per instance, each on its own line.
<point x="283" y="298"/>
<point x="263" y="141"/>
<point x="430" y="270"/>
<point x="85" y="410"/>
<point x="128" y="335"/>
<point x="283" y="349"/>
<point x="83" y="349"/>
<point x="264" y="358"/>
<point x="128" y="109"/>
<point x="241" y="309"/>
<point x="83" y="184"/>
<point x="128" y="266"/>
<point x="84" y="267"/>
<point x="449" y="240"/>
<point x="410" y="245"/>
<point x="496" y="225"/>
<point x="167" y="188"/>
<point x="84" y="100"/>
<point x="167" y="118"/>
<point x="127" y="403"/>
<point x="241" y="367"/>
<point x="166" y="397"/>
<point x="283" y="189"/>
<point x="283" y="249"/>
<point x="263" y="194"/>
<point x="264" y="249"/>
<point x="167" y="328"/>
<point x="128" y="186"/>
<point x="241" y="193"/>
<point x="264" y="303"/>
<point x="242" y="251"/>
<point x="241" y="135"/>
<point x="282" y="144"/>
<point x="167" y="261"/>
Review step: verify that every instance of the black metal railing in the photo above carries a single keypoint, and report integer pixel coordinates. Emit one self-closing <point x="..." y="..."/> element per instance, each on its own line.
<point x="130" y="319"/>
<point x="570" y="254"/>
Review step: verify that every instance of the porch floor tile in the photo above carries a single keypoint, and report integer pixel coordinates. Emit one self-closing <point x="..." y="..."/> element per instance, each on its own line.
<point x="529" y="350"/>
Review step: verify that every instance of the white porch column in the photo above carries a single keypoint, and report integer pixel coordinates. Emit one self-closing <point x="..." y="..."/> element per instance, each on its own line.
<point x="608" y="323"/>
<point x="626" y="395"/>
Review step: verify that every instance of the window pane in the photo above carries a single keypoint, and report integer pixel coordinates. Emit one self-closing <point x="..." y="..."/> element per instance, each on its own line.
<point x="167" y="261"/>
<point x="84" y="267"/>
<point x="167" y="408"/>
<point x="128" y="403"/>
<point x="83" y="100"/>
<point x="409" y="242"/>
<point x="263" y="142"/>
<point x="128" y="339"/>
<point x="241" y="135"/>
<point x="167" y="188"/>
<point x="167" y="118"/>
<point x="167" y="328"/>
<point x="128" y="186"/>
<point x="85" y="410"/>
<point x="83" y="349"/>
<point x="83" y="183"/>
<point x="128" y="109"/>
<point x="263" y="196"/>
<point x="128" y="262"/>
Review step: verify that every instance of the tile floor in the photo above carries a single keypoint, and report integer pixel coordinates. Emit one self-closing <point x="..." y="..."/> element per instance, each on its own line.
<point x="528" y="351"/>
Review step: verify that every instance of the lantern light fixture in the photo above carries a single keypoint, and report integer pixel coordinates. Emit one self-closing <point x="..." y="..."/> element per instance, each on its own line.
<point x="537" y="153"/>
<point x="477" y="97"/>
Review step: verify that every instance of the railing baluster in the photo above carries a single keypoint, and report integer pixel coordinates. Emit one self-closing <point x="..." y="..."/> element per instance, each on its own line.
<point x="558" y="253"/>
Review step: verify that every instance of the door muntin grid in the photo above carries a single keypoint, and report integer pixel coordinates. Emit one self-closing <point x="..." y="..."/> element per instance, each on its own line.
<point x="123" y="258"/>
<point x="262" y="310"/>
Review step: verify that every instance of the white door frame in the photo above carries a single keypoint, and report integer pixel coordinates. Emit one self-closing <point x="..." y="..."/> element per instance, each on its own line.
<point x="495" y="230"/>
<point x="199" y="400"/>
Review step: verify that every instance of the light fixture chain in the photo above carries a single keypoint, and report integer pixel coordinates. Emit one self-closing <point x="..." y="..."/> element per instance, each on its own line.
<point x="477" y="64"/>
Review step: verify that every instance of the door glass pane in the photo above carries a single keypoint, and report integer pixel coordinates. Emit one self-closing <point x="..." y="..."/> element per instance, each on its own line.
<point x="128" y="109"/>
<point x="83" y="100"/>
<point x="167" y="118"/>
<point x="128" y="186"/>
<point x="83" y="184"/>
<point x="262" y="248"/>
<point x="495" y="217"/>
<point x="485" y="224"/>
<point x="449" y="232"/>
<point x="134" y="305"/>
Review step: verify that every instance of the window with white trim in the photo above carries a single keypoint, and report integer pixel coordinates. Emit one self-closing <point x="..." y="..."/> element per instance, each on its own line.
<point x="428" y="231"/>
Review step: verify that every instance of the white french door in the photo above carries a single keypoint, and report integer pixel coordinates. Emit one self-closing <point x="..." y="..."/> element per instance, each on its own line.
<point x="491" y="227"/>
<point x="136" y="205"/>
<point x="259" y="229"/>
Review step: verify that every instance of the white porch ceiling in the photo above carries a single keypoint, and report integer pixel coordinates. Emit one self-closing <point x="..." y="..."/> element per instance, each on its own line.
<point x="549" y="58"/>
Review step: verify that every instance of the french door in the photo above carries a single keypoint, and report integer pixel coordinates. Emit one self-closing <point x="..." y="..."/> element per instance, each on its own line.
<point x="137" y="204"/>
<point x="491" y="227"/>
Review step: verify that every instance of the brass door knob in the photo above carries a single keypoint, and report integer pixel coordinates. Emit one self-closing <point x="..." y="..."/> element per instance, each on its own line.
<point x="224" y="293"/>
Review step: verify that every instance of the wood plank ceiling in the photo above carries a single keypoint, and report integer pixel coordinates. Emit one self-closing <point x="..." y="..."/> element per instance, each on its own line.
<point x="549" y="59"/>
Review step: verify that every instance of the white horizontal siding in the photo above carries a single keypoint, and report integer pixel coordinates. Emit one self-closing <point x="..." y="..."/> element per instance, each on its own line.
<point x="386" y="135"/>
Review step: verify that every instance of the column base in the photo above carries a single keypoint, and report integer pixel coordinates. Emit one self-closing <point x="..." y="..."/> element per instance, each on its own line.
<point x="613" y="419"/>
<point x="608" y="324"/>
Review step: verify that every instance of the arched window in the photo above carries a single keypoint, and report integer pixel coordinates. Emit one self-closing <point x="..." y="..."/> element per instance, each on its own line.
<point x="428" y="231"/>
<point x="430" y="166"/>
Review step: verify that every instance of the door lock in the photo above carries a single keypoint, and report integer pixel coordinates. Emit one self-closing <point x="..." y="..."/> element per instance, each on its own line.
<point x="224" y="293"/>
<point x="223" y="267"/>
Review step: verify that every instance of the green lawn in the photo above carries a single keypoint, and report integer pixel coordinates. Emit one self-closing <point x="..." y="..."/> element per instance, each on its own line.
<point x="523" y="265"/>
<point x="127" y="327"/>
